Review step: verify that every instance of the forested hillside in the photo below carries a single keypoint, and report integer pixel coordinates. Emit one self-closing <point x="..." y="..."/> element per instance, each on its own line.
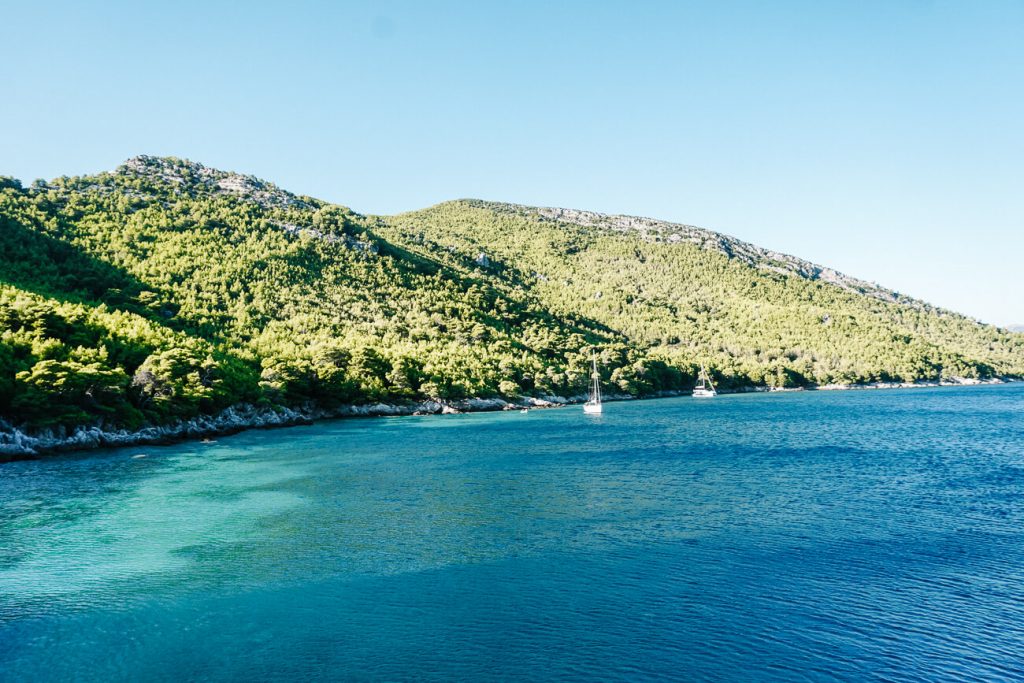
<point x="687" y="295"/>
<point x="167" y="289"/>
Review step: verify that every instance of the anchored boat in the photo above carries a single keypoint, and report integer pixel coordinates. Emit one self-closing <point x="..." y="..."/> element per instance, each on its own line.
<point x="593" y="404"/>
<point x="704" y="388"/>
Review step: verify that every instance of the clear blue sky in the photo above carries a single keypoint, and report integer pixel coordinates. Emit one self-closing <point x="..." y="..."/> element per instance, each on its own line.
<point x="885" y="139"/>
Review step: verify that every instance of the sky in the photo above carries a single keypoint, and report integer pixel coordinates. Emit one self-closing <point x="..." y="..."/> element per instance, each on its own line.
<point x="883" y="139"/>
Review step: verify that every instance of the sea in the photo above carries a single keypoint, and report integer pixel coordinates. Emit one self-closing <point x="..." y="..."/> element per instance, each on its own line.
<point x="793" y="536"/>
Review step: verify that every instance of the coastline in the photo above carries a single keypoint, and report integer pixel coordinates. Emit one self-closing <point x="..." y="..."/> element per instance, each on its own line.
<point x="16" y="444"/>
<point x="921" y="384"/>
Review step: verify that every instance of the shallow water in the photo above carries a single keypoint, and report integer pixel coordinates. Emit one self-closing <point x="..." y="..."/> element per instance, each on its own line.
<point x="875" y="535"/>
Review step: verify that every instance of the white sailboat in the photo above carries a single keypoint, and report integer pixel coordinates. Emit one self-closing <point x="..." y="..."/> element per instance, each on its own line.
<point x="704" y="388"/>
<point x="593" y="404"/>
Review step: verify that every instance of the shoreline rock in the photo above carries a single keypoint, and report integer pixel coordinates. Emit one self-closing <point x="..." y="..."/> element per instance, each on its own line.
<point x="16" y="444"/>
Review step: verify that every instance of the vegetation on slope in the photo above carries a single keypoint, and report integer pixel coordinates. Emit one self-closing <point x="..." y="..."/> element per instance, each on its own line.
<point x="167" y="289"/>
<point x="690" y="295"/>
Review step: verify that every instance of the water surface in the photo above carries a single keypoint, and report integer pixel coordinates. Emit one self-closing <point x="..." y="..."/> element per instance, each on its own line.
<point x="875" y="535"/>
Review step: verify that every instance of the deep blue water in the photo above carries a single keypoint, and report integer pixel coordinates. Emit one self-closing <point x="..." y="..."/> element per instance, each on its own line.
<point x="875" y="535"/>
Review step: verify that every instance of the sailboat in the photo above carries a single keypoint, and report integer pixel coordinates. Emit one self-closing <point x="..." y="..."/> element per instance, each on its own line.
<point x="704" y="388"/>
<point x="593" y="404"/>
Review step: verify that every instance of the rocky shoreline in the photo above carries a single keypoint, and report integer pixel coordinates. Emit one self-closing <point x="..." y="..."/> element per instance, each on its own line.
<point x="16" y="444"/>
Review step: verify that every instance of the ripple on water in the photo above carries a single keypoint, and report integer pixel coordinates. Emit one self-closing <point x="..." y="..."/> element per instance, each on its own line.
<point x="816" y="536"/>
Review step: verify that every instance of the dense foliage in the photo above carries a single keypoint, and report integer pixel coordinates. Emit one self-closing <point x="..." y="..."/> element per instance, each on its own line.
<point x="166" y="290"/>
<point x="687" y="303"/>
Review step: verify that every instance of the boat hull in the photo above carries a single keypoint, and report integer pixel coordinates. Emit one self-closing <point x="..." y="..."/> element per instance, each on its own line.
<point x="704" y="393"/>
<point x="592" y="408"/>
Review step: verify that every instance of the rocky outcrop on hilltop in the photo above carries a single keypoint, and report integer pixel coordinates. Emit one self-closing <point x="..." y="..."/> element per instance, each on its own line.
<point x="193" y="178"/>
<point x="190" y="176"/>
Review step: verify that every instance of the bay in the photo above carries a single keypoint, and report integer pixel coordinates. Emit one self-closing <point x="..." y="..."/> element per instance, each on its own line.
<point x="823" y="536"/>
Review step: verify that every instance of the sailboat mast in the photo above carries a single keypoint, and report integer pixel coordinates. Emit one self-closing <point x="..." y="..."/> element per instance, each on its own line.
<point x="593" y="405"/>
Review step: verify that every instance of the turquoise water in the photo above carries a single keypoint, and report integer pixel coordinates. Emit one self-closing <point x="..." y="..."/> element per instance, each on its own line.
<point x="874" y="535"/>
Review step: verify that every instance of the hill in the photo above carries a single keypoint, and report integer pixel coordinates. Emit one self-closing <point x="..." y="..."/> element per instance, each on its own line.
<point x="165" y="290"/>
<point x="688" y="295"/>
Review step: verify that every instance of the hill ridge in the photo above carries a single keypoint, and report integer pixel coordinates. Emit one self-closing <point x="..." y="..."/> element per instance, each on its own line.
<point x="707" y="238"/>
